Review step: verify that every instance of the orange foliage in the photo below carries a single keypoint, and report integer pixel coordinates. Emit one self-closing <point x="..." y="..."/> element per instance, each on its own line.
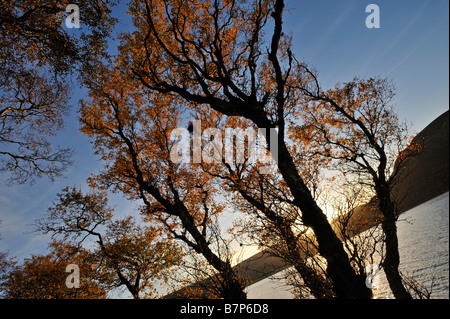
<point x="44" y="276"/>
<point x="130" y="128"/>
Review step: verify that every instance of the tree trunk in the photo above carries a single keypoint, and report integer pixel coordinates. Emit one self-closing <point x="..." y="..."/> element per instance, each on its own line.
<point x="346" y="283"/>
<point x="231" y="287"/>
<point x="392" y="258"/>
<point x="317" y="284"/>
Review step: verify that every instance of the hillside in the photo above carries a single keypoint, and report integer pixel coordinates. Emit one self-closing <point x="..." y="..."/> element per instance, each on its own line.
<point x="427" y="175"/>
<point x="423" y="177"/>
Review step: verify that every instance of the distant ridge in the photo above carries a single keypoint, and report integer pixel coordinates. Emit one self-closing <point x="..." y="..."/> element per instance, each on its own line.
<point x="423" y="177"/>
<point x="427" y="176"/>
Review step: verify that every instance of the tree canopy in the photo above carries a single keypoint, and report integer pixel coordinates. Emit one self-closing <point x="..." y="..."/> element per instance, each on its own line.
<point x="223" y="75"/>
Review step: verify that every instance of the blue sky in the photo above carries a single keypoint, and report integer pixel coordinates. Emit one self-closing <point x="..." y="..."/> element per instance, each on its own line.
<point x="411" y="47"/>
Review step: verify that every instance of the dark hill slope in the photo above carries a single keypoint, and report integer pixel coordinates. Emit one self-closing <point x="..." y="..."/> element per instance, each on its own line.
<point x="427" y="173"/>
<point x="423" y="177"/>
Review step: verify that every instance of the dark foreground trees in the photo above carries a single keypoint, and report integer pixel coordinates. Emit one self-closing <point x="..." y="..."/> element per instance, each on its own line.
<point x="214" y="53"/>
<point x="131" y="129"/>
<point x="125" y="254"/>
<point x="38" y="54"/>
<point x="227" y="63"/>
<point x="355" y="125"/>
<point x="44" y="276"/>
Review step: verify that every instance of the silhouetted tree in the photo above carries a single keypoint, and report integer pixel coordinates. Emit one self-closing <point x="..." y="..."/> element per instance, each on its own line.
<point x="44" y="276"/>
<point x="212" y="53"/>
<point x="38" y="55"/>
<point x="131" y="130"/>
<point x="126" y="254"/>
<point x="355" y="125"/>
